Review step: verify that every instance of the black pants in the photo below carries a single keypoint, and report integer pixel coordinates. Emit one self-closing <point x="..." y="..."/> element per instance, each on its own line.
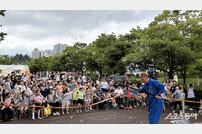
<point x="7" y="111"/>
<point x="100" y="105"/>
<point x="56" y="104"/>
<point x="119" y="101"/>
<point x="175" y="105"/>
<point x="190" y="103"/>
<point x="130" y="102"/>
<point x="104" y="90"/>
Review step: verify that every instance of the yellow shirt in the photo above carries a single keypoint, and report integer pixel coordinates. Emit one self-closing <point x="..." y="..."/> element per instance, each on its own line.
<point x="75" y="94"/>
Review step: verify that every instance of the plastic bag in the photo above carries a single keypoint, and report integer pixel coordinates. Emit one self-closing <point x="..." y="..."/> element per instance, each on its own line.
<point x="47" y="110"/>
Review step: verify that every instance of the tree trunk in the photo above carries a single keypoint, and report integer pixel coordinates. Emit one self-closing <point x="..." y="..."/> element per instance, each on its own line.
<point x="197" y="80"/>
<point x="184" y="79"/>
<point x="100" y="73"/>
<point x="183" y="72"/>
<point x="170" y="75"/>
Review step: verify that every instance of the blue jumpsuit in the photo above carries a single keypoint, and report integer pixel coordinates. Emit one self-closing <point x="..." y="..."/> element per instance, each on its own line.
<point x="155" y="106"/>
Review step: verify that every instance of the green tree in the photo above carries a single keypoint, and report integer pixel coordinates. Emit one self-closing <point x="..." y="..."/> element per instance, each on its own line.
<point x="2" y="34"/>
<point x="99" y="50"/>
<point x="188" y="30"/>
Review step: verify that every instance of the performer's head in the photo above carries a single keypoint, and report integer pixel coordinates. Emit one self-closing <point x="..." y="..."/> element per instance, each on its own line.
<point x="144" y="77"/>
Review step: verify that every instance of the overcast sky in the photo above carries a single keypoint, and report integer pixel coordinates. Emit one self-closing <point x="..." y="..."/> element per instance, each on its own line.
<point x="43" y="29"/>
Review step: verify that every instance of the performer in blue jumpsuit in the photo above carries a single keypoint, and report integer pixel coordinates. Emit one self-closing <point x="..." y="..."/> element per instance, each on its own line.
<point x="155" y="104"/>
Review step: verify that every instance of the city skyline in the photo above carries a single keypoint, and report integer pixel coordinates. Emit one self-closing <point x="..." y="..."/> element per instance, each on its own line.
<point x="57" y="49"/>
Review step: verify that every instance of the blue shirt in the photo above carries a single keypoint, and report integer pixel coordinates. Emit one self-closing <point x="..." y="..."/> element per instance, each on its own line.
<point x="177" y="94"/>
<point x="71" y="86"/>
<point x="155" y="106"/>
<point x="134" y="92"/>
<point x="99" y="93"/>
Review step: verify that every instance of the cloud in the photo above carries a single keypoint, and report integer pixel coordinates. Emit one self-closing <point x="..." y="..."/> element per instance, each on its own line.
<point x="29" y="29"/>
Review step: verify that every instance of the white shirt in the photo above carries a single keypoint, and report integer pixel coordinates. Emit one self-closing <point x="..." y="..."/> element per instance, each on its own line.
<point x="23" y="88"/>
<point x="68" y="96"/>
<point x="97" y="82"/>
<point x="57" y="78"/>
<point x="16" y="90"/>
<point x="43" y="78"/>
<point x="104" y="85"/>
<point x="84" y="78"/>
<point x="118" y="92"/>
<point x="29" y="92"/>
<point x="25" y="78"/>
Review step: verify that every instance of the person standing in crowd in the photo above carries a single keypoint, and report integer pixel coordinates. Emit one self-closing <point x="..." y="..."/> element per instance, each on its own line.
<point x="52" y="101"/>
<point x="127" y="82"/>
<point x="104" y="85"/>
<point x="13" y="80"/>
<point x="177" y="95"/>
<point x="173" y="87"/>
<point x="155" y="103"/>
<point x="80" y="97"/>
<point x="72" y="85"/>
<point x="98" y="81"/>
<point x="38" y="101"/>
<point x="75" y="97"/>
<point x="84" y="79"/>
<point x="87" y="99"/>
<point x="57" y="77"/>
<point x="24" y="104"/>
<point x="59" y="87"/>
<point x="183" y="98"/>
<point x="8" y="84"/>
<point x="6" y="109"/>
<point x="130" y="100"/>
<point x="190" y="95"/>
<point x="123" y="79"/>
<point x="66" y="102"/>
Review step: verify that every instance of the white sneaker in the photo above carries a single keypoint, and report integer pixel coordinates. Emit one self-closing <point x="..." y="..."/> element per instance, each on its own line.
<point x="57" y="113"/>
<point x="54" y="114"/>
<point x="190" y="109"/>
<point x="33" y="118"/>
